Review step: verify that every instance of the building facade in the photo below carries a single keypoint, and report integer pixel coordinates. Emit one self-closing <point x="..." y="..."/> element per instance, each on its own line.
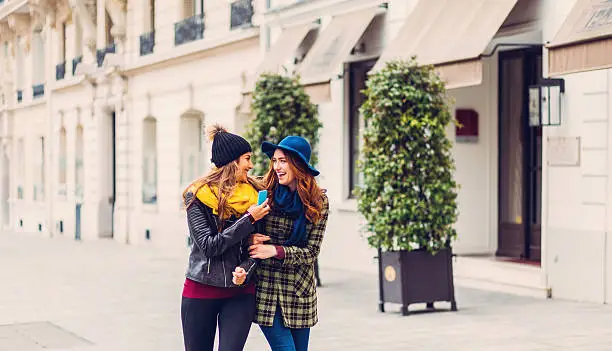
<point x="103" y="108"/>
<point x="104" y="104"/>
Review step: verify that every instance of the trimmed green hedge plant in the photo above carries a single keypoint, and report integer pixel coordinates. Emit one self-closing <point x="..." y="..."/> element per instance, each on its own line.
<point x="408" y="196"/>
<point x="281" y="108"/>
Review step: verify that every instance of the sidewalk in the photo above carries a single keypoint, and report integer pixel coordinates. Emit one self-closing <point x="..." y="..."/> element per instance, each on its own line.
<point x="57" y="294"/>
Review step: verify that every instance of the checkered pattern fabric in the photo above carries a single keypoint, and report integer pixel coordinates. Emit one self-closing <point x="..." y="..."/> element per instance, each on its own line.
<point x="290" y="283"/>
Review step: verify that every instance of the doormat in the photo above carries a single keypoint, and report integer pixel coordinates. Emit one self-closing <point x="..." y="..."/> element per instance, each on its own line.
<point x="35" y="336"/>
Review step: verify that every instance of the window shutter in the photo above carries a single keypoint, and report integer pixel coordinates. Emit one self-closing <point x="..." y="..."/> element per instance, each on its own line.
<point x="189" y="8"/>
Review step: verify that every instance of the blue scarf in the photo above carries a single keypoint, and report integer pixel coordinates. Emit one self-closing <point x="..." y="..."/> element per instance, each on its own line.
<point x="290" y="203"/>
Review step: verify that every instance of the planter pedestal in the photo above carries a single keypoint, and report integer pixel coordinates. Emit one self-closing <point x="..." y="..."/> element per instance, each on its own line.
<point x="409" y="277"/>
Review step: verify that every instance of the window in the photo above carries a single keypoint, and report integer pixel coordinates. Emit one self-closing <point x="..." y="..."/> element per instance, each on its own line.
<point x="19" y="61"/>
<point x="63" y="181"/>
<point x="38" y="50"/>
<point x="78" y="163"/>
<point x="149" y="161"/>
<point x="192" y="151"/>
<point x="193" y="7"/>
<point x="39" y="169"/>
<point x="147" y="39"/>
<point x="63" y="38"/>
<point x="20" y="167"/>
<point x="358" y="73"/>
<point x="109" y="25"/>
<point x="151" y="15"/>
<point x="78" y="38"/>
<point x="199" y="7"/>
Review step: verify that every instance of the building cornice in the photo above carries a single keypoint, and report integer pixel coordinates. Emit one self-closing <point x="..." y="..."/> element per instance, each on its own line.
<point x="9" y="7"/>
<point x="188" y="51"/>
<point x="310" y="10"/>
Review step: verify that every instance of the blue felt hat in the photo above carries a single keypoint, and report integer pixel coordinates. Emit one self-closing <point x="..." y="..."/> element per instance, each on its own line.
<point x="294" y="144"/>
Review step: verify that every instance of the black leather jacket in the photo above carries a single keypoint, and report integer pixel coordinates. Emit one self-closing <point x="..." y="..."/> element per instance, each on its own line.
<point x="214" y="255"/>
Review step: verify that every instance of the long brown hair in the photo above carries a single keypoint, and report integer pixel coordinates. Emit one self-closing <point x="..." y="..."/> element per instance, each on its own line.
<point x="307" y="187"/>
<point x="224" y="178"/>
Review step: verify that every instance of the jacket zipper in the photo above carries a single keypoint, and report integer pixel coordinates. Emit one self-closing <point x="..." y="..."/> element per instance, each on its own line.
<point x="249" y="271"/>
<point x="210" y="259"/>
<point x="224" y="274"/>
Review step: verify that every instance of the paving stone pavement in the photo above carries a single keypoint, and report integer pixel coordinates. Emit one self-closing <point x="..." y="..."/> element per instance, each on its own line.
<point x="58" y="294"/>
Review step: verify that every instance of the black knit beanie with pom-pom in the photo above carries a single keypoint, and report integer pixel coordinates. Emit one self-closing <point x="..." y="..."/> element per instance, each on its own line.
<point x="226" y="147"/>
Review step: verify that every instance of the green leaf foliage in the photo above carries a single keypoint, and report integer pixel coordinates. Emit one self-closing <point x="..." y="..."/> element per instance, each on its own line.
<point x="408" y="195"/>
<point x="281" y="108"/>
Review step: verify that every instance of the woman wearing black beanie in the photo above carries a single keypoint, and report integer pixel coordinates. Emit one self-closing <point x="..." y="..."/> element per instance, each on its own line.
<point x="221" y="214"/>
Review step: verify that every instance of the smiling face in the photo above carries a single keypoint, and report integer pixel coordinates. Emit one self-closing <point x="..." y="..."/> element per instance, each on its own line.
<point x="244" y="164"/>
<point x="283" y="170"/>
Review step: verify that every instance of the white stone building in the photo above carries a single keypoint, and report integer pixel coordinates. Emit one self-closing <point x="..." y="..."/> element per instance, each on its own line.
<point x="103" y="104"/>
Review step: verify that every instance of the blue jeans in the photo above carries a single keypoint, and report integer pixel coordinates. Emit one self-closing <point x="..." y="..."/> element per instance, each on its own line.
<point x="282" y="338"/>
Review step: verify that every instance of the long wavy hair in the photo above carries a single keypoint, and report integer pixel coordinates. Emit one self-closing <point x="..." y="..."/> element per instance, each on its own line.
<point x="307" y="187"/>
<point x="224" y="178"/>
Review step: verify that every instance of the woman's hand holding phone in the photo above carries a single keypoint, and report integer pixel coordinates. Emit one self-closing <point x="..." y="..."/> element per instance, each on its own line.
<point x="259" y="211"/>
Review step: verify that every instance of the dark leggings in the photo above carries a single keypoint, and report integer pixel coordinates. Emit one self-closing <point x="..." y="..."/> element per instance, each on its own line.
<point x="199" y="317"/>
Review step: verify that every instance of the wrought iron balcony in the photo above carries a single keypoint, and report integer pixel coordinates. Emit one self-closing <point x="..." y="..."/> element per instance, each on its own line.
<point x="60" y="71"/>
<point x="101" y="53"/>
<point x="19" y="95"/>
<point x="38" y="91"/>
<point x="241" y="14"/>
<point x="75" y="63"/>
<point x="147" y="43"/>
<point x="188" y="30"/>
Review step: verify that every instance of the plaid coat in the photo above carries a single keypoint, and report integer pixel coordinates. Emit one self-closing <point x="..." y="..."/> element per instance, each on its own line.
<point x="290" y="283"/>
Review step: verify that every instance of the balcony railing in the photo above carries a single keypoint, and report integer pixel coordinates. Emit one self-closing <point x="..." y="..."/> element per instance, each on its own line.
<point x="60" y="71"/>
<point x="38" y="91"/>
<point x="147" y="43"/>
<point x="19" y="95"/>
<point x="188" y="30"/>
<point x="75" y="63"/>
<point x="101" y="53"/>
<point x="241" y="14"/>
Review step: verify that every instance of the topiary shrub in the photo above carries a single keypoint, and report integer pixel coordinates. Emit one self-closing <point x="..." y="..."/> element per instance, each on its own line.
<point x="408" y="196"/>
<point x="281" y="108"/>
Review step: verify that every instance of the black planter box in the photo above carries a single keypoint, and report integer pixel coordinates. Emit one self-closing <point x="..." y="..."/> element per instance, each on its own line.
<point x="409" y="277"/>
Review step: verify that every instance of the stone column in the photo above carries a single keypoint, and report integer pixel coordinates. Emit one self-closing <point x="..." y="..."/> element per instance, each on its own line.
<point x="90" y="116"/>
<point x="123" y="147"/>
<point x="52" y="137"/>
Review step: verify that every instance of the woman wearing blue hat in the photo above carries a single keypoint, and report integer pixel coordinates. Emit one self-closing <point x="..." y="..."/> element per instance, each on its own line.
<point x="286" y="297"/>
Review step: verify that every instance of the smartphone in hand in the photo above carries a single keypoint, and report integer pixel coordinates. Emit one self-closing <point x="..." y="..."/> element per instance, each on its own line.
<point x="262" y="196"/>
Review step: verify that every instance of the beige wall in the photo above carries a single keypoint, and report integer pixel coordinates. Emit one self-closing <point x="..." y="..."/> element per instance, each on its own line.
<point x="578" y="199"/>
<point x="216" y="94"/>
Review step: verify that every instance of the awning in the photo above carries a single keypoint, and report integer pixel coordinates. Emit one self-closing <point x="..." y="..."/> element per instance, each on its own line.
<point x="282" y="50"/>
<point x="584" y="41"/>
<point x="325" y="59"/>
<point x="451" y="35"/>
